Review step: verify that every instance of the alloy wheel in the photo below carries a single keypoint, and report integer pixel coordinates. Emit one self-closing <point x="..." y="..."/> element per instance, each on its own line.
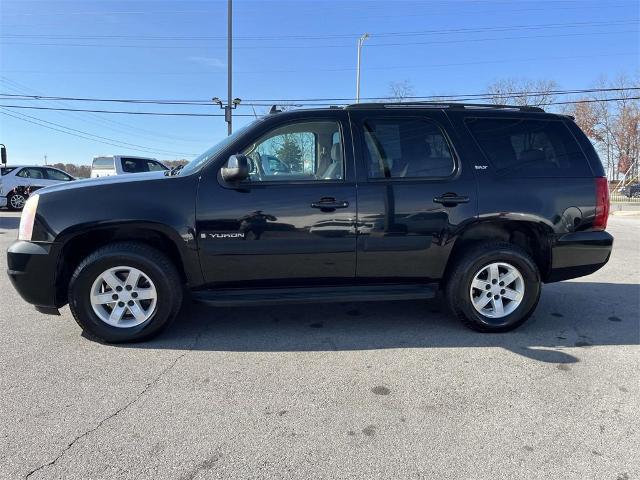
<point x="497" y="290"/>
<point x="123" y="297"/>
<point x="17" y="201"/>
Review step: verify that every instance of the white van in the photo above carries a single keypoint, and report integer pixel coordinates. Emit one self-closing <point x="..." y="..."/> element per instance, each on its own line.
<point x="119" y="164"/>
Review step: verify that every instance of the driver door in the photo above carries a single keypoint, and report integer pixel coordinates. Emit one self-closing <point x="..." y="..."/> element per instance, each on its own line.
<point x="292" y="222"/>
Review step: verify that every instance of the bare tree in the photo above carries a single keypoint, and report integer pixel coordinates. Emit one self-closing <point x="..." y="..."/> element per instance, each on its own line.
<point x="399" y="91"/>
<point x="523" y="92"/>
<point x="611" y="119"/>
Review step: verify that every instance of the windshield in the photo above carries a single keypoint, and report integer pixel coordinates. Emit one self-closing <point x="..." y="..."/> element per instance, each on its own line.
<point x="196" y="163"/>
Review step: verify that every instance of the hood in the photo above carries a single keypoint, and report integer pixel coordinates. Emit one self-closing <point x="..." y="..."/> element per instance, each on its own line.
<point x="113" y="179"/>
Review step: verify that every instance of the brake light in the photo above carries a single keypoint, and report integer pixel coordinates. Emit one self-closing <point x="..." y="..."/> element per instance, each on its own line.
<point x="602" y="204"/>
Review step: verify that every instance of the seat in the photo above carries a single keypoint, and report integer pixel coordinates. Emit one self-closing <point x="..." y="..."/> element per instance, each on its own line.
<point x="334" y="170"/>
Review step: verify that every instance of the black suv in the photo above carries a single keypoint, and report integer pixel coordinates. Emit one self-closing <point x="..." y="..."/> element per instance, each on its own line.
<point x="377" y="202"/>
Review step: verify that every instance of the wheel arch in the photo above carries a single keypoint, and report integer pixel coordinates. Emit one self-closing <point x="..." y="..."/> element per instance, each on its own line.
<point x="80" y="244"/>
<point x="534" y="237"/>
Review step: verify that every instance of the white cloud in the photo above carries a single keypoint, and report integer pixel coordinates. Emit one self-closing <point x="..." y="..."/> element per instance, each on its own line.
<point x="208" y="62"/>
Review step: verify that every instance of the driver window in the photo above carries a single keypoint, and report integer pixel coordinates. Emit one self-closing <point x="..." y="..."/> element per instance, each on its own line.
<point x="298" y="152"/>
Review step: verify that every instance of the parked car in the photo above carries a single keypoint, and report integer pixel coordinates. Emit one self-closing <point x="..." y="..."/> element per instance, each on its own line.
<point x="118" y="165"/>
<point x="481" y="203"/>
<point x="17" y="180"/>
<point x="632" y="191"/>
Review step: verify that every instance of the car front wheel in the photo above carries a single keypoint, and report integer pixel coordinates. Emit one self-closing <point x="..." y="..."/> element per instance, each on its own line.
<point x="125" y="292"/>
<point x="494" y="287"/>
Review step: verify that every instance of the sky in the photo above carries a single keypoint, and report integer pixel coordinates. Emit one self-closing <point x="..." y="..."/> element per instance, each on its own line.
<point x="283" y="50"/>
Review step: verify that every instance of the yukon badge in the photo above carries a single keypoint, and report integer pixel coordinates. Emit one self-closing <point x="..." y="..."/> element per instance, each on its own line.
<point x="222" y="235"/>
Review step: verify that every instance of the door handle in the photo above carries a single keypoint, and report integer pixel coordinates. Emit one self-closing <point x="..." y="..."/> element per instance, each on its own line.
<point x="328" y="204"/>
<point x="451" y="200"/>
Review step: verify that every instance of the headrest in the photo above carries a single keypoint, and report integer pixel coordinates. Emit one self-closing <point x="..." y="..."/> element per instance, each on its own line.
<point x="336" y="152"/>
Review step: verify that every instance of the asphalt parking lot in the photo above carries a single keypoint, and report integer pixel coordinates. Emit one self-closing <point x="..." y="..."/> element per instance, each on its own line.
<point x="391" y="390"/>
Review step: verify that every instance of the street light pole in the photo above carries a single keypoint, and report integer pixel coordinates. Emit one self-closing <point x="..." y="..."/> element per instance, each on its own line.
<point x="360" y="42"/>
<point x="227" y="111"/>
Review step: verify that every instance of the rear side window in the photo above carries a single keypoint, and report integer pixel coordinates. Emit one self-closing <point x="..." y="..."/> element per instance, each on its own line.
<point x="5" y="170"/>
<point x="529" y="148"/>
<point x="406" y="148"/>
<point x="103" y="164"/>
<point x="135" y="165"/>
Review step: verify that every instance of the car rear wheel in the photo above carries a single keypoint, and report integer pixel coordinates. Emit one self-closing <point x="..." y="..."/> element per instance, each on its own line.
<point x="125" y="292"/>
<point x="16" y="201"/>
<point x="494" y="287"/>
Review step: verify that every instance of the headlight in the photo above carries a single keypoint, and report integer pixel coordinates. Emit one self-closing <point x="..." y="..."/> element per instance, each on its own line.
<point x="27" y="218"/>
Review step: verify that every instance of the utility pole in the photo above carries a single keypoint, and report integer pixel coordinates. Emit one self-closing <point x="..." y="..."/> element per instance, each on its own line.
<point x="227" y="111"/>
<point x="360" y="42"/>
<point x="45" y="158"/>
<point x="231" y="104"/>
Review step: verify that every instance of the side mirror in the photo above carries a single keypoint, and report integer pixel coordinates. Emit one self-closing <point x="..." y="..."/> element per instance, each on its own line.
<point x="3" y="153"/>
<point x="237" y="169"/>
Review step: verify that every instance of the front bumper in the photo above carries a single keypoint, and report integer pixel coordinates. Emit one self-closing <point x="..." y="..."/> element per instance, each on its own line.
<point x="32" y="269"/>
<point x="578" y="254"/>
<point x="3" y="202"/>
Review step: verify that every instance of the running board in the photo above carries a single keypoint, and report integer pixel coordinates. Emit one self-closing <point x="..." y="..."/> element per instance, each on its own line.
<point x="273" y="296"/>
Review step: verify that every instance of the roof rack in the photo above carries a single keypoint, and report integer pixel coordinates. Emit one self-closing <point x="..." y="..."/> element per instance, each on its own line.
<point x="441" y="105"/>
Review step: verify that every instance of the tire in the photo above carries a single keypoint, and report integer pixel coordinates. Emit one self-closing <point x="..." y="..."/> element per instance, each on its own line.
<point x="636" y="194"/>
<point x="158" y="280"/>
<point x="16" y="201"/>
<point x="476" y="265"/>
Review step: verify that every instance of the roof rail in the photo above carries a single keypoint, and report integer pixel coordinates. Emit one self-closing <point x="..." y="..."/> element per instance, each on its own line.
<point x="441" y="105"/>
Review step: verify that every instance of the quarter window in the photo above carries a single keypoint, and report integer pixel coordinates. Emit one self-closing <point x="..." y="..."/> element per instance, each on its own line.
<point x="406" y="148"/>
<point x="529" y="148"/>
<point x="298" y="152"/>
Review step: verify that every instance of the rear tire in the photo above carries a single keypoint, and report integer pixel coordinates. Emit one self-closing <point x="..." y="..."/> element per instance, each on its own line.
<point x="142" y="282"/>
<point x="16" y="201"/>
<point x="477" y="295"/>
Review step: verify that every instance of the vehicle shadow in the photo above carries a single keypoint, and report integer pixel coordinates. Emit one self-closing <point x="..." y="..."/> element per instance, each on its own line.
<point x="570" y="314"/>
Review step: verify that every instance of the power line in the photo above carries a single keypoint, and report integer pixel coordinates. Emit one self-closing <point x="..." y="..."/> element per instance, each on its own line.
<point x="338" y="69"/>
<point x="326" y="99"/>
<point x="126" y="144"/>
<point x="317" y="105"/>
<point x="84" y="135"/>
<point x="260" y="46"/>
<point x="327" y="36"/>
<point x="181" y="114"/>
<point x="109" y="123"/>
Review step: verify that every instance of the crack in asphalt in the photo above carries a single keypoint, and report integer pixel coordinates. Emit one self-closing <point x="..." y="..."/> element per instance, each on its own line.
<point x="117" y="412"/>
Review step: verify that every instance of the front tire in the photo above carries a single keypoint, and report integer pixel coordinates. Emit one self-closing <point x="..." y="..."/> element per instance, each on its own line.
<point x="494" y="287"/>
<point x="125" y="292"/>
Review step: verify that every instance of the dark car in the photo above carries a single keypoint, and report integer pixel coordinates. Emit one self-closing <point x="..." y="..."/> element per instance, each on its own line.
<point x="632" y="191"/>
<point x="378" y="202"/>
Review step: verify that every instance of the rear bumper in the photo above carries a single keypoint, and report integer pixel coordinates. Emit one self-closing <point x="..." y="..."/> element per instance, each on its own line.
<point x="32" y="270"/>
<point x="578" y="254"/>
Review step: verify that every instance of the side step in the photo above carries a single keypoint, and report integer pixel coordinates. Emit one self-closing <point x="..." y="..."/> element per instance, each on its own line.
<point x="274" y="296"/>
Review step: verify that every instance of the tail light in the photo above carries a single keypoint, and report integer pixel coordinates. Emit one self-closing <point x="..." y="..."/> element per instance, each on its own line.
<point x="602" y="204"/>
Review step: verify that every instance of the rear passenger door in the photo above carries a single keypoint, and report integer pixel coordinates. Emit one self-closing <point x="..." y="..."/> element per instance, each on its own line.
<point x="32" y="176"/>
<point x="414" y="194"/>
